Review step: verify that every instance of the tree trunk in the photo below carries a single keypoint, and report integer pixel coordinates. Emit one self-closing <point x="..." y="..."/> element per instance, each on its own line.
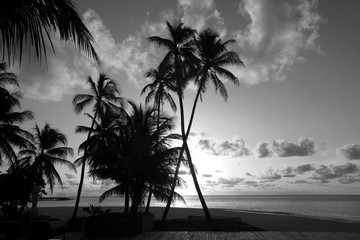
<point x="35" y="197"/>
<point x="80" y="188"/>
<point x="198" y="190"/>
<point x="167" y="208"/>
<point x="127" y="201"/>
<point x="82" y="172"/>
<point x="149" y="198"/>
<point x="192" y="170"/>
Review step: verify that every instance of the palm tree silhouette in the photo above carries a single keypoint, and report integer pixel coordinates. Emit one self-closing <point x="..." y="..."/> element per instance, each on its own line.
<point x="181" y="54"/>
<point x="106" y="98"/>
<point x="214" y="59"/>
<point x="50" y="149"/>
<point x="159" y="91"/>
<point x="143" y="155"/>
<point x="25" y="24"/>
<point x="11" y="135"/>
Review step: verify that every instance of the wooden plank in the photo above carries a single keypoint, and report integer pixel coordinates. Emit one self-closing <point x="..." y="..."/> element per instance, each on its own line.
<point x="232" y="236"/>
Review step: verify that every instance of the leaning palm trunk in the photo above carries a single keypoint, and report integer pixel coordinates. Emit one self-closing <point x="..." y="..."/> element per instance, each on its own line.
<point x="192" y="170"/>
<point x="35" y="196"/>
<point x="149" y="198"/>
<point x="82" y="176"/>
<point x="156" y="149"/>
<point x="127" y="200"/>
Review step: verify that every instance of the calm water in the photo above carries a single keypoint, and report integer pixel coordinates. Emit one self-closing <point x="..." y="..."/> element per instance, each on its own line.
<point x="343" y="207"/>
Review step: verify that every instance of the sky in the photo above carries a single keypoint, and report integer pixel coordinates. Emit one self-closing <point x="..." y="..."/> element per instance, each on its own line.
<point x="291" y="127"/>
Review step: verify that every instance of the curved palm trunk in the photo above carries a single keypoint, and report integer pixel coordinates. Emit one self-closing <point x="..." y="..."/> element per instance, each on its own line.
<point x="82" y="176"/>
<point x="149" y="198"/>
<point x="127" y="201"/>
<point x="156" y="147"/>
<point x="192" y="170"/>
<point x="35" y="196"/>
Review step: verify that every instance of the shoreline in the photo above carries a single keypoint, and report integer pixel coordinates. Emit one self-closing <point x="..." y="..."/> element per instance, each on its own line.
<point x="266" y="221"/>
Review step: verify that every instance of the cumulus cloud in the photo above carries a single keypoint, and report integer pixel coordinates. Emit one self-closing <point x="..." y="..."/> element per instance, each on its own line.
<point x="207" y="175"/>
<point x="299" y="181"/>
<point x="64" y="71"/>
<point x="270" y="175"/>
<point x="70" y="176"/>
<point x="132" y="56"/>
<point x="291" y="171"/>
<point x="332" y="172"/>
<point x="277" y="33"/>
<point x="224" y="182"/>
<point x="262" y="150"/>
<point x="304" y="147"/>
<point x="182" y="172"/>
<point x="200" y="14"/>
<point x="230" y="182"/>
<point x="304" y="168"/>
<point x="72" y="183"/>
<point x="236" y="147"/>
<point x="349" y="179"/>
<point x="350" y="151"/>
<point x="68" y="68"/>
<point x="288" y="172"/>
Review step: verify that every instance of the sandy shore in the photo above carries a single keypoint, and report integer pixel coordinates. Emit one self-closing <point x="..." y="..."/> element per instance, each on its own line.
<point x="269" y="222"/>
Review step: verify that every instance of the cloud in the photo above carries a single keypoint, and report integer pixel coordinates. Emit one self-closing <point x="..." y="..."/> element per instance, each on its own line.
<point x="277" y="33"/>
<point x="230" y="182"/>
<point x="207" y="175"/>
<point x="67" y="71"/>
<point x="270" y="175"/>
<point x="182" y="172"/>
<point x="236" y="147"/>
<point x="332" y="172"/>
<point x="64" y="72"/>
<point x="299" y="181"/>
<point x="132" y="56"/>
<point x="304" y="147"/>
<point x="304" y="168"/>
<point x="350" y="151"/>
<point x="291" y="172"/>
<point x="288" y="172"/>
<point x="200" y="14"/>
<point x="262" y="150"/>
<point x="70" y="176"/>
<point x="252" y="183"/>
<point x="72" y="183"/>
<point x="349" y="179"/>
<point x="225" y="182"/>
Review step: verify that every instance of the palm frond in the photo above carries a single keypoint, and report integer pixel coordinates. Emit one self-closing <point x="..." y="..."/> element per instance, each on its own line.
<point x="26" y="24"/>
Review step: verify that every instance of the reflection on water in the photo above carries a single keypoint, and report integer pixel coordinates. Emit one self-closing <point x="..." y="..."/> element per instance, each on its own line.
<point x="324" y="206"/>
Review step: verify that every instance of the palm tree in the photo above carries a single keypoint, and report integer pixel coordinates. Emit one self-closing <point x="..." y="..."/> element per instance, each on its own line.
<point x="181" y="54"/>
<point x="106" y="98"/>
<point x="159" y="91"/>
<point x="25" y="24"/>
<point x="11" y="135"/>
<point x="50" y="149"/>
<point x="143" y="160"/>
<point x="214" y="59"/>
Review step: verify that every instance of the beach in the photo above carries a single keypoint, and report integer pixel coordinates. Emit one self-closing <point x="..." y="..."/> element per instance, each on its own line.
<point x="265" y="221"/>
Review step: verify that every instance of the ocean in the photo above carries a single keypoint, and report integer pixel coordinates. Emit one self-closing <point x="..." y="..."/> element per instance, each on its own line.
<point x="339" y="207"/>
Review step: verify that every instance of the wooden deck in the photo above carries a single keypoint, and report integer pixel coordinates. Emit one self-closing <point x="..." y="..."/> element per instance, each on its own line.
<point x="230" y="236"/>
